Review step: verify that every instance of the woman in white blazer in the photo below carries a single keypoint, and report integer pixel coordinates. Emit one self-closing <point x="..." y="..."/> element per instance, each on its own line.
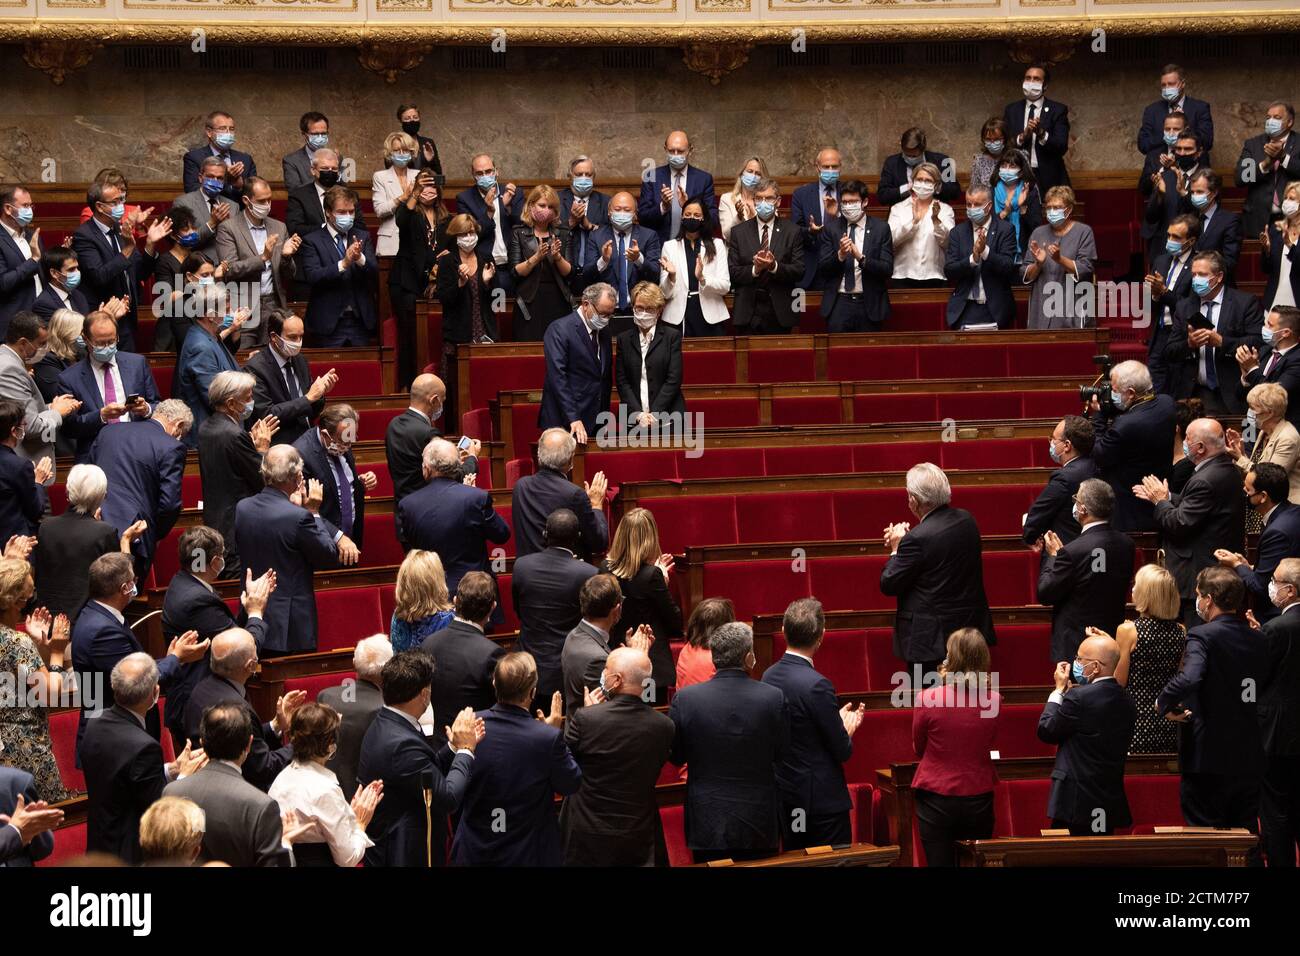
<point x="387" y="187"/>
<point x="694" y="277"/>
<point x="1276" y="440"/>
<point x="738" y="205"/>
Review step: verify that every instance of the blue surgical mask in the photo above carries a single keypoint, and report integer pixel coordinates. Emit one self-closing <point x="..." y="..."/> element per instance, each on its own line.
<point x="224" y="140"/>
<point x="582" y="185"/>
<point x="1008" y="175"/>
<point x="976" y="214"/>
<point x="620" y="219"/>
<point x="1117" y="399"/>
<point x="750" y="180"/>
<point x="207" y="280"/>
<point x="1200" y="200"/>
<point x="829" y="177"/>
<point x="1200" y="284"/>
<point x="914" y="160"/>
<point x="1051" y="450"/>
<point x="1076" y="673"/>
<point x="317" y="140"/>
<point x="117" y="212"/>
<point x="1268" y="335"/>
<point x="1074" y="512"/>
<point x="1056" y="216"/>
<point x="1187" y="452"/>
<point x="995" y="146"/>
<point x="343" y="223"/>
<point x="485" y="182"/>
<point x="227" y="321"/>
<point x="23" y="215"/>
<point x="1169" y="93"/>
<point x="247" y="413"/>
<point x="401" y="160"/>
<point x="677" y="160"/>
<point x="212" y="185"/>
<point x="1173" y="247"/>
<point x="1272" y="126"/>
<point x="72" y="280"/>
<point x="1171" y="138"/>
<point x="80" y="342"/>
<point x="103" y="354"/>
<point x="189" y="240"/>
<point x="765" y="210"/>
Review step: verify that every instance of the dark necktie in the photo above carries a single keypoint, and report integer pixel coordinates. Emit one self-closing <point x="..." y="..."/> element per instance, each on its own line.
<point x="622" y="274"/>
<point x="1211" y="373"/>
<point x="114" y="241"/>
<point x="595" y="347"/>
<point x="1033" y="109"/>
<point x="345" y="493"/>
<point x="763" y="241"/>
<point x="341" y="244"/>
<point x="291" y="380"/>
<point x="1272" y="360"/>
<point x="849" y="283"/>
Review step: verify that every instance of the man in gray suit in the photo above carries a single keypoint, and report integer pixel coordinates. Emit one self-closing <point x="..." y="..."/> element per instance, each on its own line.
<point x="24" y="346"/>
<point x="209" y="206"/>
<point x="586" y="647"/>
<point x="357" y="702"/>
<point x="315" y="128"/>
<point x="243" y="823"/>
<point x="254" y="246"/>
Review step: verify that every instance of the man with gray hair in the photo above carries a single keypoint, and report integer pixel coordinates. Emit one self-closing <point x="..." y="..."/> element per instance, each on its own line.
<point x="733" y="731"/>
<point x="582" y="206"/>
<point x="579" y="365"/>
<point x="123" y="762"/>
<point x="935" y="570"/>
<point x="280" y="529"/>
<point x="1133" y="433"/>
<point x="1209" y="514"/>
<point x="537" y="496"/>
<point x="765" y="257"/>
<point x="209" y="205"/>
<point x="1087" y="580"/>
<point x="204" y="353"/>
<point x="357" y="702"/>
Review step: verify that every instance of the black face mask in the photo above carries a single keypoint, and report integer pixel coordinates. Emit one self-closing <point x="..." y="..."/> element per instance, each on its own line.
<point x="410" y="127"/>
<point x="692" y="225"/>
<point x="328" y="177"/>
<point x="1188" y="162"/>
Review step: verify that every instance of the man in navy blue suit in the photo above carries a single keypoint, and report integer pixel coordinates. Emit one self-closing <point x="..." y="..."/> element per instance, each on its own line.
<point x="1040" y="127"/>
<point x="1267" y="487"/>
<point x="497" y="210"/>
<point x="1170" y="281"/>
<point x="339" y="264"/>
<point x="61" y="278"/>
<point x="1164" y="182"/>
<point x="815" y="800"/>
<point x="26" y="824"/>
<point x="22" y="496"/>
<point x="856" y="260"/>
<point x="144" y="463"/>
<point x="1131" y="437"/>
<point x="1090" y="718"/>
<point x="981" y="261"/>
<point x="20" y="254"/>
<point x="896" y="172"/>
<point x="813" y="206"/>
<point x="1220" y="229"/>
<point x="103" y="381"/>
<point x="1212" y="697"/>
<point x="281" y="529"/>
<point x="522" y="763"/>
<point x="101" y="638"/>
<point x="536" y="497"/>
<point x="582" y="206"/>
<point x="425" y="778"/>
<point x="621" y="254"/>
<point x="450" y="517"/>
<point x="734" y="732"/>
<point x="112" y="264"/>
<point x="1278" y="361"/>
<point x="326" y="452"/>
<point x="1174" y="99"/>
<point x="219" y="128"/>
<point x="204" y="355"/>
<point x="1070" y="447"/>
<point x="663" y="196"/>
<point x="579" y="365"/>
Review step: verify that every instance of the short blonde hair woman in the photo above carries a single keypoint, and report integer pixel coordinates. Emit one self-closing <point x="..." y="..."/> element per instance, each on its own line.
<point x="423" y="604"/>
<point x="738" y="205"/>
<point x="919" y="224"/>
<point x="1276" y="440"/>
<point x="1150" y="652"/>
<point x="65" y="328"/>
<point x="643" y="573"/>
<point x="387" y="187"/>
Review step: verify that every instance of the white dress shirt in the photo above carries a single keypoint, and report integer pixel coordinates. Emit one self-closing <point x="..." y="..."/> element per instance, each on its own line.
<point x="646" y="339"/>
<point x="103" y="372"/>
<point x="856" y="233"/>
<point x="343" y="262"/>
<point x="1039" y="105"/>
<point x="976" y="293"/>
<point x="1179" y="264"/>
<point x="1284" y="294"/>
<point x="20" y="240"/>
<point x="1207" y="351"/>
<point x="919" y="249"/>
<point x="314" y="792"/>
<point x="259" y="234"/>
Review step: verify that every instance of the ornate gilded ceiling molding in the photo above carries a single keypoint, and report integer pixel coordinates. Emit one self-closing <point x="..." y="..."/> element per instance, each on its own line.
<point x="57" y="58"/>
<point x="391" y="60"/>
<point x="716" y="60"/>
<point x="1050" y="51"/>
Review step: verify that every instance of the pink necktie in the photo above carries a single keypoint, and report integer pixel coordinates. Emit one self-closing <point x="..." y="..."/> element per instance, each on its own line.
<point x="110" y="391"/>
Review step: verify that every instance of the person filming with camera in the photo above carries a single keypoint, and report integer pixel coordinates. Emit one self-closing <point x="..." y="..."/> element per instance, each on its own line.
<point x="1134" y="430"/>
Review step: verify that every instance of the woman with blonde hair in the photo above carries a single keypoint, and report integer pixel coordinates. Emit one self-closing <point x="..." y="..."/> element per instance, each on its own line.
<point x="1276" y="442"/>
<point x="643" y="571"/>
<point x="539" y="257"/>
<point x="1278" y="257"/>
<point x="423" y="604"/>
<point x="67" y="348"/>
<point x="1150" y="651"/>
<point x="738" y="205"/>
<point x="919" y="224"/>
<point x="388" y="187"/>
<point x="421" y="222"/>
<point x="1060" y="255"/>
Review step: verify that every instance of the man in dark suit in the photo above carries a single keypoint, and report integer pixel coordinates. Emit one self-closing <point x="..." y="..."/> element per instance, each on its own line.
<point x="450" y="517"/>
<point x="1070" y="447"/>
<point x="1268" y="164"/>
<point x="1220" y="229"/>
<point x="67" y="544"/>
<point x="357" y="702"/>
<point x="856" y="256"/>
<point x="1040" y="127"/>
<point x="1133" y="434"/>
<point x="242" y="825"/>
<point x="123" y="763"/>
<point x="522" y="763"/>
<point x="545" y="586"/>
<point x="1170" y="281"/>
<point x="896" y="173"/>
<point x="232" y="662"/>
<point x="1165" y="183"/>
<point x="103" y="381"/>
<point x="339" y="264"/>
<point x="1276" y="361"/>
<point x="305" y="211"/>
<point x="579" y="365"/>
<point x="813" y="206"/>
<point x="144" y="463"/>
<point x="1174" y="100"/>
<point x="20" y="254"/>
<point x="192" y="603"/>
<point x="1220" y="751"/>
<point x="326" y="452"/>
<point x="1086" y="582"/>
<point x="765" y="258"/>
<point x="663" y="195"/>
<point x="463" y="656"/>
<point x="815" y="800"/>
<point x="1279" y="721"/>
<point x="315" y="129"/>
<point x="1090" y="718"/>
<point x="111" y="263"/>
<point x="582" y="658"/>
<point x="537" y="496"/>
<point x="620" y="253"/>
<point x="283" y="385"/>
<point x="219" y="128"/>
<point x="981" y="261"/>
<point x="22" y="493"/>
<point x="423" y="782"/>
<point x="100" y="639"/>
<point x="583" y="207"/>
<point x="61" y="282"/>
<point x="935" y="570"/>
<point x="1267" y="487"/>
<point x="208" y="207"/>
<point x="497" y="211"/>
<point x="621" y="744"/>
<point x="26" y="824"/>
<point x="281" y="529"/>
<point x="734" y="732"/>
<point x="1209" y="513"/>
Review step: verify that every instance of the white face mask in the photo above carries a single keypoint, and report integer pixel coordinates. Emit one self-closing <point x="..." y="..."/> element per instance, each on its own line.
<point x="852" y="211"/>
<point x="923" y="190"/>
<point x="467" y="241"/>
<point x="260" y="210"/>
<point x="1290" y="207"/>
<point x="597" y="320"/>
<point x="290" y="348"/>
<point x="644" y="319"/>
<point x="1033" y="90"/>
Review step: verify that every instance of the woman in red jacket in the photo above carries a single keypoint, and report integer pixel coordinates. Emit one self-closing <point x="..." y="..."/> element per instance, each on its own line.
<point x="954" y="727"/>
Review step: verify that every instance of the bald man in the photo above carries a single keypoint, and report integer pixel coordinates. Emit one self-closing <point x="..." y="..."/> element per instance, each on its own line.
<point x="813" y="205"/>
<point x="621" y="744"/>
<point x="1090" y="719"/>
<point x="1209" y="514"/>
<point x="497" y="207"/>
<point x="621" y="253"/>
<point x="664" y="194"/>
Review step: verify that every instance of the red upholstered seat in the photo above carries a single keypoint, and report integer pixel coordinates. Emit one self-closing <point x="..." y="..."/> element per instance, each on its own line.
<point x="355" y="378"/>
<point x="477" y="423"/>
<point x="166" y="742"/>
<point x="191" y="491"/>
<point x="516" y="468"/>
<point x="997" y="508"/>
<point x="884" y="737"/>
<point x="721" y="463"/>
<point x="166" y="557"/>
<point x="1021" y="656"/>
<point x="806" y="410"/>
<point x="979" y="453"/>
<point x="489" y="375"/>
<point x="1018" y="732"/>
<point x="782" y="365"/>
<point x="917" y="316"/>
<point x="1153" y="800"/>
<point x="859" y="363"/>
<point x="764" y="587"/>
<point x="507" y="602"/>
<point x="887" y="409"/>
<point x="346" y="615"/>
<point x="842" y="659"/>
<point x="1051" y="358"/>
<point x="162" y="376"/>
<point x="894" y="456"/>
<point x="726" y="412"/>
<point x="710" y="367"/>
<point x="621" y="467"/>
<point x="373" y="423"/>
<point x="381" y="545"/>
<point x="849" y="584"/>
<point x="963" y="361"/>
<point x="384" y="489"/>
<point x="829" y="459"/>
<point x="972" y="406"/>
<point x="882" y="665"/>
<point x="1020" y="807"/>
<point x="864" y="512"/>
<point x="685" y="522"/>
<point x="861" y="823"/>
<point x="799" y="516"/>
<point x="1010" y="577"/>
<point x="63" y="741"/>
<point x="387" y="603"/>
<point x="523" y="424"/>
<point x="145" y="330"/>
<point x="509" y="546"/>
<point x="674" y="823"/>
<point x="1049" y="404"/>
<point x="69" y="843"/>
<point x="313" y="684"/>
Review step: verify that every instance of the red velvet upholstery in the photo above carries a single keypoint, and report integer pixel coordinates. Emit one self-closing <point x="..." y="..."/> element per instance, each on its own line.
<point x="69" y="843"/>
<point x="726" y="412"/>
<point x="885" y="737"/>
<point x="162" y="376"/>
<point x="710" y="367"/>
<point x="764" y="587"/>
<point x="1020" y="808"/>
<point x="373" y="423"/>
<point x="1010" y="577"/>
<point x="826" y="459"/>
<point x="490" y="375"/>
<point x="978" y="405"/>
<point x="1153" y="800"/>
<point x="782" y="365"/>
<point x="890" y="456"/>
<point x="694" y="521"/>
<point x="63" y="741"/>
<point x="803" y="517"/>
<point x="963" y="361"/>
<point x="1049" y="404"/>
<point x="849" y="584"/>
<point x="721" y="463"/>
<point x="806" y="410"/>
<point x="387" y="604"/>
<point x="980" y="453"/>
<point x="355" y="378"/>
<point x="1018" y="732"/>
<point x="315" y="683"/>
<point x="1051" y="358"/>
<point x="381" y="545"/>
<point x="885" y="409"/>
<point x="516" y="468"/>
<point x="620" y="467"/>
<point x="850" y="363"/>
<point x="1021" y="655"/>
<point x="507" y="602"/>
<point x="860" y="816"/>
<point x="477" y="423"/>
<point x="674" y="823"/>
<point x="345" y="616"/>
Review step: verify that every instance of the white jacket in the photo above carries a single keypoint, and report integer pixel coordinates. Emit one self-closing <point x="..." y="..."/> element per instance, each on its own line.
<point x="714" y="286"/>
<point x="385" y="190"/>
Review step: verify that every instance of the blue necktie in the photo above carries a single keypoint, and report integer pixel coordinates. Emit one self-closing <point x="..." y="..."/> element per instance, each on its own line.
<point x="622" y="275"/>
<point x="345" y="493"/>
<point x="342" y="245"/>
